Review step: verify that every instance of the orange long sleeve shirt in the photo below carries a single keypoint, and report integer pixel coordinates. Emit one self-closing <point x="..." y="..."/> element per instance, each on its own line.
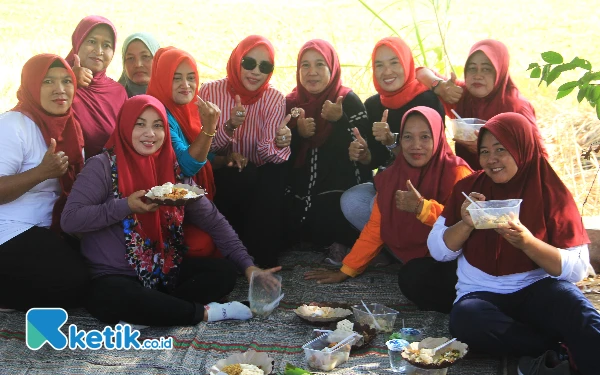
<point x="369" y="243"/>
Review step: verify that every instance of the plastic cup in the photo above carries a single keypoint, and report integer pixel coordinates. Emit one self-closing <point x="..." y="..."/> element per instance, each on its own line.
<point x="264" y="293"/>
<point x="411" y="334"/>
<point x="395" y="348"/>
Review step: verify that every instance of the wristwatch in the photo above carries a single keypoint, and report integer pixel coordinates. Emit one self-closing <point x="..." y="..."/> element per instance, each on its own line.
<point x="395" y="144"/>
<point x="435" y="84"/>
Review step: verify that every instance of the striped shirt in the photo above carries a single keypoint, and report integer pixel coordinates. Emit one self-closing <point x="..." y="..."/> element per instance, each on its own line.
<point x="255" y="138"/>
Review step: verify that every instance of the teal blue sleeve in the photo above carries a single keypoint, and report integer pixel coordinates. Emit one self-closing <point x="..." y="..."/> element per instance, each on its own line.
<point x="189" y="166"/>
<point x="211" y="156"/>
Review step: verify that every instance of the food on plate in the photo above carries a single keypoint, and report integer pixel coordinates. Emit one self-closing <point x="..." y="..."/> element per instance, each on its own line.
<point x="421" y="353"/>
<point x="169" y="191"/>
<point x="242" y="369"/>
<point x="318" y="312"/>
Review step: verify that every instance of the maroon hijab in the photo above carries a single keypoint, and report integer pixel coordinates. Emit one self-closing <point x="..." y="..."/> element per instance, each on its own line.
<point x="64" y="129"/>
<point x="548" y="209"/>
<point x="405" y="235"/>
<point x="313" y="103"/>
<point x="97" y="106"/>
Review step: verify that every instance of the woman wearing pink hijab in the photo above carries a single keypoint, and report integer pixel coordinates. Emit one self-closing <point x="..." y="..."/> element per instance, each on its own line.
<point x="98" y="98"/>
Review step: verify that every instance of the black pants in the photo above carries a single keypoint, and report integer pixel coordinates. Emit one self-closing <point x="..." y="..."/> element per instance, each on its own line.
<point x="113" y="298"/>
<point x="252" y="202"/>
<point x="430" y="284"/>
<point x="39" y="269"/>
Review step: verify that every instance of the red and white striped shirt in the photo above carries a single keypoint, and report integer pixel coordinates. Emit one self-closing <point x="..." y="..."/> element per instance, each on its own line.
<point x="255" y="138"/>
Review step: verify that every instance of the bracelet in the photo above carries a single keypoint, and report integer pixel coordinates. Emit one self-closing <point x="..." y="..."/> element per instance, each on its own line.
<point x="209" y="135"/>
<point x="421" y="199"/>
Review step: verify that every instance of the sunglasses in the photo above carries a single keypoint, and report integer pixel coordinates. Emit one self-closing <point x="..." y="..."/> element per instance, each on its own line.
<point x="265" y="67"/>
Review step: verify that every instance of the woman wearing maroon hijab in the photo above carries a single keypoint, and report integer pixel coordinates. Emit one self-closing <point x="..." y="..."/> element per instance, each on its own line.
<point x="515" y="292"/>
<point x="403" y="213"/>
<point x="41" y="147"/>
<point x="486" y="91"/>
<point x="98" y="98"/>
<point x="320" y="170"/>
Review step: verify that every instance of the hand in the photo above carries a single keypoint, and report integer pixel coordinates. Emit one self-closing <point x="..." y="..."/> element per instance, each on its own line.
<point x="466" y="217"/>
<point x="359" y="150"/>
<point x="470" y="145"/>
<point x="264" y="276"/>
<point x="410" y="200"/>
<point x="382" y="132"/>
<point x="138" y="206"/>
<point x="332" y="111"/>
<point x="284" y="134"/>
<point x="448" y="91"/>
<point x="325" y="276"/>
<point x="516" y="234"/>
<point x="236" y="160"/>
<point x="83" y="75"/>
<point x="53" y="165"/>
<point x="238" y="108"/>
<point x="209" y="114"/>
<point x="306" y="126"/>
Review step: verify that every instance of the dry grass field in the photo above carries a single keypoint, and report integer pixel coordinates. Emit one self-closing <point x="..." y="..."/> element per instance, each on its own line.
<point x="211" y="29"/>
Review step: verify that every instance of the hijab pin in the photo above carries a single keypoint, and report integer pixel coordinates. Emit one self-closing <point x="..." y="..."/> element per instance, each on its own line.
<point x="295" y="112"/>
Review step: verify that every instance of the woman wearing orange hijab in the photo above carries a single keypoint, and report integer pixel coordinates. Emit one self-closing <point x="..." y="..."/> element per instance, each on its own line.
<point x="174" y="82"/>
<point x="252" y="144"/>
<point x="42" y="148"/>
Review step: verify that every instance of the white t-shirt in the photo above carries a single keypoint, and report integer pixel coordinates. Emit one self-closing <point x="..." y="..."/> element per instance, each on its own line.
<point x="574" y="265"/>
<point x="22" y="147"/>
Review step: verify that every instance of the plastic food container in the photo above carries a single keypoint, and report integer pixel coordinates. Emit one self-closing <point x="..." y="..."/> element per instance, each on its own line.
<point x="463" y="129"/>
<point x="384" y="316"/>
<point x="494" y="213"/>
<point x="325" y="360"/>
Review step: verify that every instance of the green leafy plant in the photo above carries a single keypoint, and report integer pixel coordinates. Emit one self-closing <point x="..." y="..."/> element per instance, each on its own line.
<point x="554" y="66"/>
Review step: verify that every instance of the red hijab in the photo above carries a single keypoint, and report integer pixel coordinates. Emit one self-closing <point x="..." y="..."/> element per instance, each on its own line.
<point x="64" y="129"/>
<point x="96" y="107"/>
<point x="411" y="87"/>
<point x="434" y="181"/>
<point x="234" y="80"/>
<point x="165" y="63"/>
<point x="504" y="97"/>
<point x="548" y="209"/>
<point x="313" y="103"/>
<point x="139" y="172"/>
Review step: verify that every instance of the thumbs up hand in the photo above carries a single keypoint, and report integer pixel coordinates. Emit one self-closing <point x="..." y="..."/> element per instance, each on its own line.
<point x="359" y="150"/>
<point x="333" y="111"/>
<point x="238" y="113"/>
<point x="284" y="134"/>
<point x="382" y="132"/>
<point x="53" y="164"/>
<point x="83" y="75"/>
<point x="306" y="126"/>
<point x="448" y="90"/>
<point x="410" y="200"/>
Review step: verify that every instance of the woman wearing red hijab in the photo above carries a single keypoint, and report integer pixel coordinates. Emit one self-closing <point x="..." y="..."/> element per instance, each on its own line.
<point x="98" y="98"/>
<point x="251" y="144"/>
<point x="486" y="92"/>
<point x="135" y="249"/>
<point x="403" y="214"/>
<point x="398" y="91"/>
<point x="41" y="155"/>
<point x="320" y="170"/>
<point x="515" y="292"/>
<point x="192" y="123"/>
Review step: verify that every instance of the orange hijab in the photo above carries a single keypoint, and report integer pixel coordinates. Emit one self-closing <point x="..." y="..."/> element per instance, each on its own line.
<point x="234" y="81"/>
<point x="411" y="87"/>
<point x="64" y="129"/>
<point x="165" y="63"/>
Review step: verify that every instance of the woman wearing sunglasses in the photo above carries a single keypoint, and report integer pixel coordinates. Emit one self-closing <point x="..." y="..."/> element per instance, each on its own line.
<point x="251" y="143"/>
<point x="330" y="115"/>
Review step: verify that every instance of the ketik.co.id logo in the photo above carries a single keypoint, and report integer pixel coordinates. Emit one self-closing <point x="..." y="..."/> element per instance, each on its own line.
<point x="43" y="326"/>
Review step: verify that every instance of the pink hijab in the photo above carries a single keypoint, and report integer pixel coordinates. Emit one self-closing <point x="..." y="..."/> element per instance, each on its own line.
<point x="97" y="106"/>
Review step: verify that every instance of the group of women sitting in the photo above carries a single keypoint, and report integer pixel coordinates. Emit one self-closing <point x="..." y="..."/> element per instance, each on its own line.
<point x="279" y="171"/>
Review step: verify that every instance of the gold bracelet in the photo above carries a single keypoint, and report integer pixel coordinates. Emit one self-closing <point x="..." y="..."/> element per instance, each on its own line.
<point x="209" y="135"/>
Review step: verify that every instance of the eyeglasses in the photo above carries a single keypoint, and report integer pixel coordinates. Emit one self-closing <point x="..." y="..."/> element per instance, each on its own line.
<point x="265" y="67"/>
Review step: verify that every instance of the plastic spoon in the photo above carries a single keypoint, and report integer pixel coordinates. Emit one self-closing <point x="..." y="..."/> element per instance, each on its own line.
<point x="471" y="200"/>
<point x="370" y="313"/>
<point x="442" y="346"/>
<point x="344" y="342"/>
<point x="457" y="116"/>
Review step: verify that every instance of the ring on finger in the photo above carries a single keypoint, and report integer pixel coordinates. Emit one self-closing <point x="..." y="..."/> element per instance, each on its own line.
<point x="240" y="113"/>
<point x="283" y="138"/>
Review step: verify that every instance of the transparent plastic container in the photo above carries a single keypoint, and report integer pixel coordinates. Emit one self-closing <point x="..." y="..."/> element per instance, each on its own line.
<point x="493" y="214"/>
<point x="411" y="334"/>
<point x="463" y="129"/>
<point x="384" y="316"/>
<point x="325" y="360"/>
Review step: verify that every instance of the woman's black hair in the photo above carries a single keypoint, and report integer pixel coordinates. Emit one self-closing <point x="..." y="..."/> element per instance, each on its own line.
<point x="56" y="64"/>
